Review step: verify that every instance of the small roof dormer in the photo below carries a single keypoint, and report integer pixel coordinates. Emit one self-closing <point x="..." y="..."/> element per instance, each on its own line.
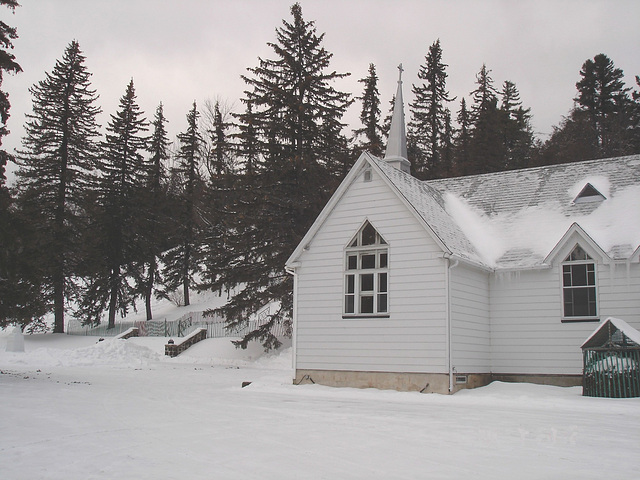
<point x="396" y="153"/>
<point x="589" y="193"/>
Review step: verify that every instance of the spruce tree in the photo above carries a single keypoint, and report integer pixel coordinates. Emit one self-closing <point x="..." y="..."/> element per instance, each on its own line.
<point x="59" y="150"/>
<point x="517" y="131"/>
<point x="248" y="148"/>
<point x="117" y="230"/>
<point x="604" y="122"/>
<point x="20" y="275"/>
<point x="487" y="152"/>
<point x="428" y="115"/>
<point x="603" y="95"/>
<point x="181" y="262"/>
<point x="370" y="115"/>
<point x="156" y="207"/>
<point x="219" y="149"/>
<point x="296" y="114"/>
<point x="461" y="142"/>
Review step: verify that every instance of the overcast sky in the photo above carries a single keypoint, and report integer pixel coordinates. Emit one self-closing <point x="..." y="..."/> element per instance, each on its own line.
<point x="181" y="51"/>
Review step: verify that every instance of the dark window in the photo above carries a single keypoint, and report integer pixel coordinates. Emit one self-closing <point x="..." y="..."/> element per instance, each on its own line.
<point x="579" y="285"/>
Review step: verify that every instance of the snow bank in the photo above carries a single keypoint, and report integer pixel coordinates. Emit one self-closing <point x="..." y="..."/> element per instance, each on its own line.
<point x="112" y="352"/>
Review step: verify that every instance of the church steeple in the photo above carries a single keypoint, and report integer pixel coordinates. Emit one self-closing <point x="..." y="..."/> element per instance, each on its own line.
<point x="396" y="153"/>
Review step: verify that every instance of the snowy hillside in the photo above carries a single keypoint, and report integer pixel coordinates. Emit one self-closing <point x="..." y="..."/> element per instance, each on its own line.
<point x="74" y="408"/>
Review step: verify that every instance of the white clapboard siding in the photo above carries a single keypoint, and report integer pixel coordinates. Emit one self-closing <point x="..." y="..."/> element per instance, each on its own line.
<point x="413" y="338"/>
<point x="470" y="332"/>
<point x="527" y="334"/>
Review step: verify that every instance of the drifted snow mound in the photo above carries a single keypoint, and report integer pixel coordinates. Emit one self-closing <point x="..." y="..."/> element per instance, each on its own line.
<point x="112" y="352"/>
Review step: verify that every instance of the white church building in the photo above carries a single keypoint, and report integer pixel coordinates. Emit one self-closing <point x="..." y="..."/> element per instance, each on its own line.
<point x="445" y="284"/>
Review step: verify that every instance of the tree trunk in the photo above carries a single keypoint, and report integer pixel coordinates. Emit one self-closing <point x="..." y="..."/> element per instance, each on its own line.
<point x="113" y="298"/>
<point x="58" y="303"/>
<point x="149" y="287"/>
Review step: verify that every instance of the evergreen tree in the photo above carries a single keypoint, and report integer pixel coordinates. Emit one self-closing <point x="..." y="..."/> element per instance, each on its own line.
<point x="181" y="261"/>
<point x="602" y="94"/>
<point x="248" y="147"/>
<point x="8" y="64"/>
<point x="60" y="147"/>
<point x="517" y="131"/>
<point x="604" y="121"/>
<point x="487" y="152"/>
<point x="220" y="150"/>
<point x="571" y="141"/>
<point x="118" y="252"/>
<point x="20" y="276"/>
<point x="156" y="207"/>
<point x="446" y="146"/>
<point x="296" y="114"/>
<point x="370" y="115"/>
<point x="428" y="115"/>
<point x="462" y="141"/>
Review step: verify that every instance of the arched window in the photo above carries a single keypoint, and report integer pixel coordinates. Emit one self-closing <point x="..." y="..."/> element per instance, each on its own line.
<point x="366" y="279"/>
<point x="579" y="286"/>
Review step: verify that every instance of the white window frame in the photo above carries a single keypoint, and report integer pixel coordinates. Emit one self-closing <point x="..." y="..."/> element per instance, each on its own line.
<point x="594" y="285"/>
<point x="359" y="266"/>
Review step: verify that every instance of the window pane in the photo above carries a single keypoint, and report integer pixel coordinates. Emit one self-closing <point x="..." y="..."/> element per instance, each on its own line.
<point x="368" y="235"/>
<point x="383" y="260"/>
<point x="351" y="284"/>
<point x="366" y="282"/>
<point x="566" y="275"/>
<point x="366" y="304"/>
<point x="568" y="302"/>
<point x="349" y="301"/>
<point x="382" y="303"/>
<point x="382" y="282"/>
<point x="369" y="261"/>
<point x="578" y="275"/>
<point x="381" y="240"/>
<point x="352" y="262"/>
<point x="581" y="302"/>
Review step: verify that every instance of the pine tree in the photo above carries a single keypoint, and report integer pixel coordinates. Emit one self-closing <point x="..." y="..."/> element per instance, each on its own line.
<point x="446" y="146"/>
<point x="517" y="131"/>
<point x="602" y="94"/>
<point x="604" y="121"/>
<point x="8" y="64"/>
<point x="296" y="114"/>
<point x="248" y="147"/>
<point x="181" y="261"/>
<point x="487" y="152"/>
<point x="461" y="142"/>
<point x="118" y="251"/>
<point x="155" y="207"/>
<point x="370" y="115"/>
<point x="220" y="149"/>
<point x="59" y="149"/>
<point x="20" y="276"/>
<point x="428" y="112"/>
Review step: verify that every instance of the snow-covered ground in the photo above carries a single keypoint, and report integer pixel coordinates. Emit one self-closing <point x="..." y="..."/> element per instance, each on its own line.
<point x="74" y="408"/>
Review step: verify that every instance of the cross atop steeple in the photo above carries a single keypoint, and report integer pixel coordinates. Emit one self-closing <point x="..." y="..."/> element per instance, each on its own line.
<point x="396" y="153"/>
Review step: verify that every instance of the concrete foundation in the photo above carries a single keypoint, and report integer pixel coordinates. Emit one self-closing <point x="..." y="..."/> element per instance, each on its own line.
<point x="423" y="382"/>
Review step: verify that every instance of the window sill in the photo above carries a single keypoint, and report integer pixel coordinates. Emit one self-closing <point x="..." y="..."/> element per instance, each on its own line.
<point x="580" y="320"/>
<point x="367" y="315"/>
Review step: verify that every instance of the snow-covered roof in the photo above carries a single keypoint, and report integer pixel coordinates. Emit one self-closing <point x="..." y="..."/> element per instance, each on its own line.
<point x="619" y="328"/>
<point x="514" y="219"/>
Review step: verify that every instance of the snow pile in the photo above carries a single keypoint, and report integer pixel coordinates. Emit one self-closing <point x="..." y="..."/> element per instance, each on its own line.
<point x="222" y="351"/>
<point x="112" y="352"/>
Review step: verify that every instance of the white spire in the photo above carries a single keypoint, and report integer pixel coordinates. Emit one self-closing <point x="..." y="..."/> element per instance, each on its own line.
<point x="396" y="153"/>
